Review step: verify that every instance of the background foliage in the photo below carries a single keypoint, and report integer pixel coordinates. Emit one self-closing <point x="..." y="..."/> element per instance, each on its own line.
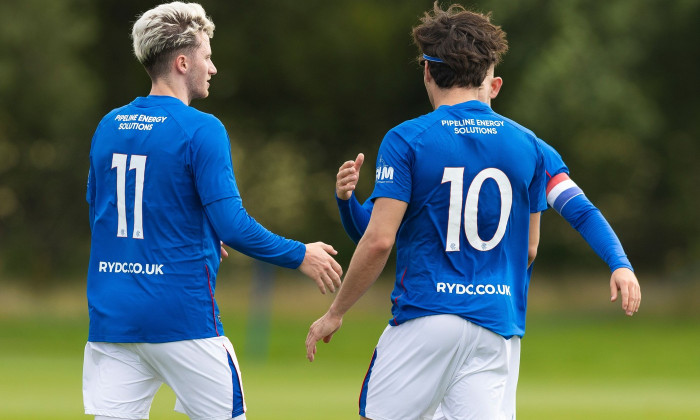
<point x="304" y="85"/>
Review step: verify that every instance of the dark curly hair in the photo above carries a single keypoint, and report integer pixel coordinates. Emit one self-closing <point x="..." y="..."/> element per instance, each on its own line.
<point x="467" y="43"/>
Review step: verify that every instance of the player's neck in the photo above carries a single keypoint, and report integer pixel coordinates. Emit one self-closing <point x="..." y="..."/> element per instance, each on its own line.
<point x="163" y="88"/>
<point x="452" y="96"/>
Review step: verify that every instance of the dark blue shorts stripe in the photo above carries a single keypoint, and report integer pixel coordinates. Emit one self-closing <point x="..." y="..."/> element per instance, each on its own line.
<point x="238" y="406"/>
<point x="363" y="392"/>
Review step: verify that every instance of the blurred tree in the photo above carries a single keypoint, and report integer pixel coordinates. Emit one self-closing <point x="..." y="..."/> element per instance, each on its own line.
<point x="47" y="101"/>
<point x="305" y="85"/>
<point x="595" y="80"/>
<point x="330" y="78"/>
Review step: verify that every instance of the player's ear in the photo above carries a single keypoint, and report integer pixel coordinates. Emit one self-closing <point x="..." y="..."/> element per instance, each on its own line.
<point x="496" y="84"/>
<point x="181" y="64"/>
<point x="427" y="77"/>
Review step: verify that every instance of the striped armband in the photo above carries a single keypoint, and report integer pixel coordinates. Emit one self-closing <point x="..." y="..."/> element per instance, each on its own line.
<point x="561" y="189"/>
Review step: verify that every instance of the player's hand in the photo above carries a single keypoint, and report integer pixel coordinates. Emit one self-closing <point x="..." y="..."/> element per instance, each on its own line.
<point x="322" y="329"/>
<point x="224" y="253"/>
<point x="347" y="177"/>
<point x="624" y="280"/>
<point x="320" y="266"/>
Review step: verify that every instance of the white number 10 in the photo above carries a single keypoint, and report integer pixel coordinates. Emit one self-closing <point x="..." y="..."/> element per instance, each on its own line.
<point x="471" y="208"/>
<point x="138" y="162"/>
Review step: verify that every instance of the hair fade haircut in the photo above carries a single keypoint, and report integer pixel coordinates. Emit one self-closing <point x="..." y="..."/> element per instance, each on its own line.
<point x="167" y="29"/>
<point x="467" y="43"/>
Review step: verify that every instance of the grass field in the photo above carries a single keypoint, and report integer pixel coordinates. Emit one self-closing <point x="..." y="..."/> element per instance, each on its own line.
<point x="580" y="360"/>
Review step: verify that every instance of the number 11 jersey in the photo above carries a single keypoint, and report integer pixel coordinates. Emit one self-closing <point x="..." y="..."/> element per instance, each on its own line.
<point x="154" y="164"/>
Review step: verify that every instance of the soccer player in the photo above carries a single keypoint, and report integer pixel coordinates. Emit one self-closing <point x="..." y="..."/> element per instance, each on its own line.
<point x="162" y="195"/>
<point x="461" y="280"/>
<point x="563" y="195"/>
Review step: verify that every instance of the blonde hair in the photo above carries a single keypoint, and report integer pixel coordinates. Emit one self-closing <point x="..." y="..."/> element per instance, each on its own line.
<point x="166" y="29"/>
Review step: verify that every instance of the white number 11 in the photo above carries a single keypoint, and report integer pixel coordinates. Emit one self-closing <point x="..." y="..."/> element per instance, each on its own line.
<point x="138" y="162"/>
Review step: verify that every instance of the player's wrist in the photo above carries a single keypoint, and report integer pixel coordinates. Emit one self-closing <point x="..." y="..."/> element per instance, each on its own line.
<point x="345" y="195"/>
<point x="335" y="313"/>
<point x="619" y="265"/>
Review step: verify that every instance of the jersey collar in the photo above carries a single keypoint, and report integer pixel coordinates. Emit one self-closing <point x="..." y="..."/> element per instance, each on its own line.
<point x="473" y="104"/>
<point x="156" y="100"/>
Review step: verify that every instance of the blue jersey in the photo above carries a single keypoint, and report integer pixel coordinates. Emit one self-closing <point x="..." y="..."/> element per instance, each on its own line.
<point x="155" y="165"/>
<point x="471" y="179"/>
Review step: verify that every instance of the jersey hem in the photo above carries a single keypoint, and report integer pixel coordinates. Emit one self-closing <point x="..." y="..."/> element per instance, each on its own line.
<point x="150" y="339"/>
<point x="396" y="321"/>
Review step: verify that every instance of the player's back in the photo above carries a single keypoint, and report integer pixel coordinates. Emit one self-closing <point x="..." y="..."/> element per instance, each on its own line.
<point x="471" y="179"/>
<point x="154" y="254"/>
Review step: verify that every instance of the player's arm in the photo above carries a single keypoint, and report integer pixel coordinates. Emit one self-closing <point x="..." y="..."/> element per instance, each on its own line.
<point x="366" y="265"/>
<point x="564" y="196"/>
<point x="533" y="238"/>
<point x="346" y="217"/>
<point x="209" y="159"/>
<point x="237" y="229"/>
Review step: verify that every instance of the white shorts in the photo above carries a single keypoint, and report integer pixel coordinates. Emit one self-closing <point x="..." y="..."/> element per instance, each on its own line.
<point x="441" y="360"/>
<point x="121" y="379"/>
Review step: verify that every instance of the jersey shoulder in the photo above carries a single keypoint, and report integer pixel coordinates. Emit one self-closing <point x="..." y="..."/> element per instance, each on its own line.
<point x="412" y="129"/>
<point x="553" y="162"/>
<point x="111" y="115"/>
<point x="192" y="120"/>
<point x="552" y="159"/>
<point x="518" y="127"/>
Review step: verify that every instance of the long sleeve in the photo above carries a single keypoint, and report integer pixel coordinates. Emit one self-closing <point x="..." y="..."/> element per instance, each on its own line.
<point x="237" y="229"/>
<point x="564" y="196"/>
<point x="355" y="217"/>
<point x="595" y="229"/>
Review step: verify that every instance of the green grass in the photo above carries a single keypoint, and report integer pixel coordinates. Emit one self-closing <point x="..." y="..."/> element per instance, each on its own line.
<point x="576" y="364"/>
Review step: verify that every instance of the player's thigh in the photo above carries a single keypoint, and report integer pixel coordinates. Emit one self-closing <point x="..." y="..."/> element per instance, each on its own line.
<point x="116" y="381"/>
<point x="484" y="386"/>
<point x="412" y="367"/>
<point x="203" y="373"/>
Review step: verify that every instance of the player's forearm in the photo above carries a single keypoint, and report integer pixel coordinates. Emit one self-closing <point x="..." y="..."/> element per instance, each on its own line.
<point x="365" y="267"/>
<point x="237" y="229"/>
<point x="595" y="229"/>
<point x="354" y="217"/>
<point x="346" y="219"/>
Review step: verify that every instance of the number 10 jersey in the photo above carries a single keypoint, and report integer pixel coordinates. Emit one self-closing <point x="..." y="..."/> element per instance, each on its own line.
<point x="471" y="179"/>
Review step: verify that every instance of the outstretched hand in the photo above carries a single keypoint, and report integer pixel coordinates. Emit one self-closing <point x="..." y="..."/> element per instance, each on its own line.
<point x="624" y="280"/>
<point x="348" y="176"/>
<point x="320" y="266"/>
<point x="322" y="329"/>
